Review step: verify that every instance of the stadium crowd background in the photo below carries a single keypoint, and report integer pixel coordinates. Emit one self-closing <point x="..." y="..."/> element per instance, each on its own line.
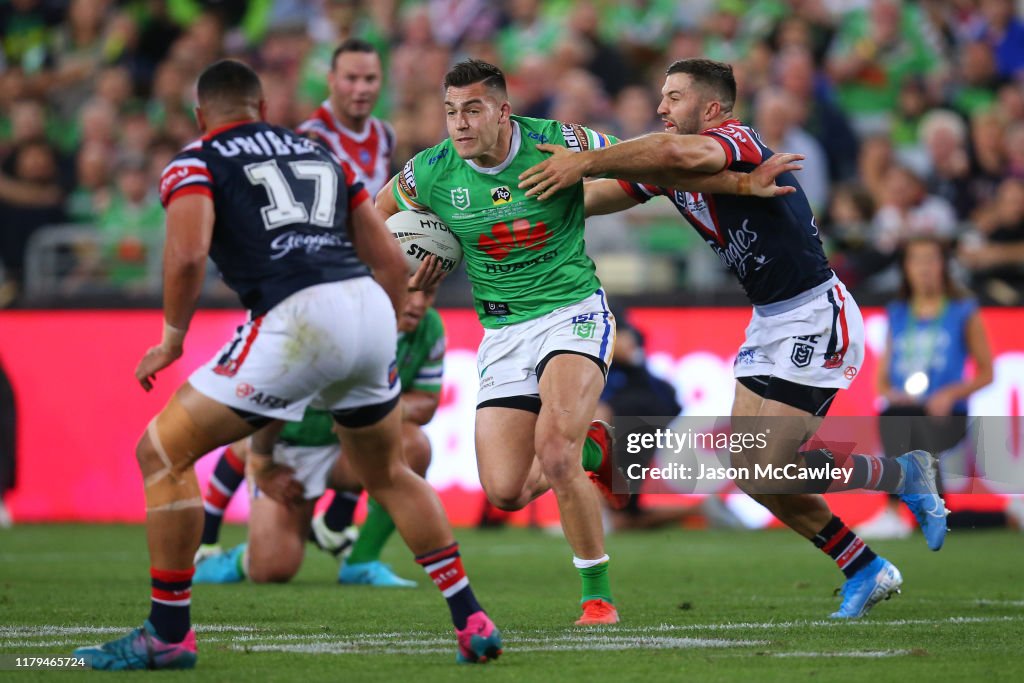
<point x="911" y="115"/>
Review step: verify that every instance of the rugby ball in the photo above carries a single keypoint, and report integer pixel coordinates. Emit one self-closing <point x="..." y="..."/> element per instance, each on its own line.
<point x="421" y="233"/>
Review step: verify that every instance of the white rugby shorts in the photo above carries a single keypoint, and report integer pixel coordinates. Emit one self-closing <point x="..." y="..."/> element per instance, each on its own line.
<point x="330" y="345"/>
<point x="508" y="356"/>
<point x="818" y="343"/>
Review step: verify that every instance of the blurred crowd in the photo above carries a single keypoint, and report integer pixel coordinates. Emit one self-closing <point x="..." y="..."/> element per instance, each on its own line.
<point x="910" y="114"/>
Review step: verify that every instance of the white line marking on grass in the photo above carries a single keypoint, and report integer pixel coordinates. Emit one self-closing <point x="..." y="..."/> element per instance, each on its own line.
<point x="646" y="643"/>
<point x="554" y="644"/>
<point x="52" y="630"/>
<point x="998" y="603"/>
<point x="866" y="654"/>
<point x="623" y="637"/>
<point x="224" y="628"/>
<point x="367" y="640"/>
<point x="831" y="623"/>
<point x="42" y="631"/>
<point x="39" y="643"/>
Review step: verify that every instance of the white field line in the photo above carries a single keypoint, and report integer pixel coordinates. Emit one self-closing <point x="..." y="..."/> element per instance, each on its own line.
<point x="864" y="654"/>
<point x="609" y="638"/>
<point x="830" y="623"/>
<point x="15" y="631"/>
<point x="998" y="603"/>
<point x="67" y="642"/>
<point x="572" y="643"/>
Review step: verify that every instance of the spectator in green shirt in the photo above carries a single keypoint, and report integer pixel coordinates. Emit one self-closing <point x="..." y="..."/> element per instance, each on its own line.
<point x="875" y="51"/>
<point x="130" y="226"/>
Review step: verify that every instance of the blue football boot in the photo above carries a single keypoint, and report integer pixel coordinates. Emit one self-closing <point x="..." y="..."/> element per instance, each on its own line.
<point x="921" y="494"/>
<point x="875" y="582"/>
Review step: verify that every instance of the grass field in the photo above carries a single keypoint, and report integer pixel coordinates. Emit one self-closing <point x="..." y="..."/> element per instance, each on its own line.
<point x="696" y="606"/>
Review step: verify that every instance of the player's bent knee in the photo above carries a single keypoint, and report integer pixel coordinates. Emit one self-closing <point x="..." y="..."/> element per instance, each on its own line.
<point x="277" y="568"/>
<point x="560" y="465"/>
<point x="506" y="503"/>
<point x="277" y="564"/>
<point x="147" y="456"/>
<point x="168" y="487"/>
<point x="505" y="497"/>
<point x="277" y="573"/>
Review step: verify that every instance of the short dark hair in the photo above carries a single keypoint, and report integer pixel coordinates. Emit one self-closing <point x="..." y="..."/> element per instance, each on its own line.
<point x="228" y="84"/>
<point x="472" y="71"/>
<point x="716" y="77"/>
<point x="351" y="45"/>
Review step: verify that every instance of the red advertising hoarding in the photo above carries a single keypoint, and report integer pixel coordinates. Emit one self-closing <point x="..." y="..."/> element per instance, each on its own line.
<point x="80" y="410"/>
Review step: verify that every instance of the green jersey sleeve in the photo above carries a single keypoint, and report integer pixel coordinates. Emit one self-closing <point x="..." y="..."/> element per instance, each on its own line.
<point x="421" y="355"/>
<point x="408" y="190"/>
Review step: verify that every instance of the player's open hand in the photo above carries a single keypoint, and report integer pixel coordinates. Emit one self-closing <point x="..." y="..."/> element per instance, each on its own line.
<point x="278" y="482"/>
<point x="428" y="275"/>
<point x="156" y="359"/>
<point x="762" y="178"/>
<point x="563" y="169"/>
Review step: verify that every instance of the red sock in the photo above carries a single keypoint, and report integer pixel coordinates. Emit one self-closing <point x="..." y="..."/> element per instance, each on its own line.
<point x="227" y="476"/>
<point x="445" y="569"/>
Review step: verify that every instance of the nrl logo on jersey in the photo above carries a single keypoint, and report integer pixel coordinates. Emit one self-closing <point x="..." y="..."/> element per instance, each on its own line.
<point x="501" y="195"/>
<point x="460" y="198"/>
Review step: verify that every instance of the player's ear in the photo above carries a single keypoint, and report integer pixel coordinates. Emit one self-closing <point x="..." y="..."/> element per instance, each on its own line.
<point x="506" y="111"/>
<point x="712" y="110"/>
<point x="263" y="109"/>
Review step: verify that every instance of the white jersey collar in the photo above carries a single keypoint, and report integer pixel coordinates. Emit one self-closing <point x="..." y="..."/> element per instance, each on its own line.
<point x="517" y="139"/>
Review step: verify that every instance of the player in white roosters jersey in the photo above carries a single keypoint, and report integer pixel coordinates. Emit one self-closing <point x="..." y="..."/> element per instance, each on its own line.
<point x="344" y="122"/>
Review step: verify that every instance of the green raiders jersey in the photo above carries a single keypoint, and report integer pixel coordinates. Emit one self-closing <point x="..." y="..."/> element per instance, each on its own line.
<point x="524" y="257"/>
<point x="420" y="359"/>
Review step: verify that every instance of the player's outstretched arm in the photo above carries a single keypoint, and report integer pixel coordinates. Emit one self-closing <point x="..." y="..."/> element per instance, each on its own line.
<point x="605" y="196"/>
<point x="189" y="231"/>
<point x="378" y="249"/>
<point x="608" y="196"/>
<point x="657" y="159"/>
<point x="758" y="183"/>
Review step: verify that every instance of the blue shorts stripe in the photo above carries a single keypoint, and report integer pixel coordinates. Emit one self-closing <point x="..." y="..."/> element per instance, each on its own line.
<point x="607" y="327"/>
<point x="831" y="349"/>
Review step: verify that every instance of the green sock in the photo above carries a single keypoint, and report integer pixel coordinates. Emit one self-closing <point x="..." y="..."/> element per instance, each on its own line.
<point x="591" y="455"/>
<point x="375" y="532"/>
<point x="241" y="561"/>
<point x="595" y="583"/>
